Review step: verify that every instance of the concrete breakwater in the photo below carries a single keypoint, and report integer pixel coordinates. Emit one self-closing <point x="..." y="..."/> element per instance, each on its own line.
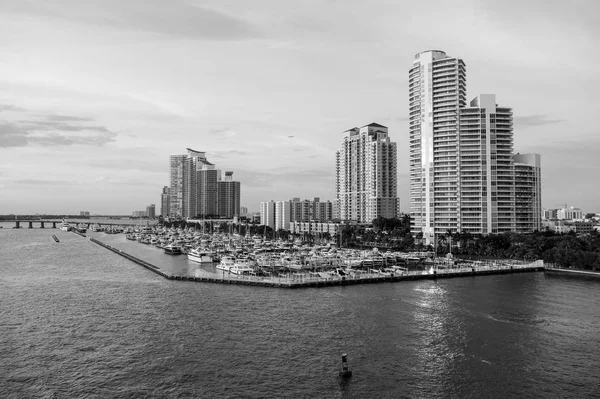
<point x="132" y="258"/>
<point x="301" y="280"/>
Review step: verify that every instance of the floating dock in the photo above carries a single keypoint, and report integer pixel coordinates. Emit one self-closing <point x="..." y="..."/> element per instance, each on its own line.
<point x="305" y="282"/>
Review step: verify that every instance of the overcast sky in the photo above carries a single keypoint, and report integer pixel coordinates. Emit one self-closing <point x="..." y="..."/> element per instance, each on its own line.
<point x="96" y="94"/>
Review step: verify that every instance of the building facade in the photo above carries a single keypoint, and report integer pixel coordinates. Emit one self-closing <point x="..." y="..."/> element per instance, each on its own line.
<point x="437" y="90"/>
<point x="485" y="193"/>
<point x="164" y="202"/>
<point x="528" y="192"/>
<point x="207" y="189"/>
<point x="366" y="175"/>
<point x="197" y="189"/>
<point x="462" y="170"/>
<point x="229" y="196"/>
<point x="315" y="228"/>
<point x="283" y="214"/>
<point x="151" y="211"/>
<point x="267" y="214"/>
<point x="176" y="197"/>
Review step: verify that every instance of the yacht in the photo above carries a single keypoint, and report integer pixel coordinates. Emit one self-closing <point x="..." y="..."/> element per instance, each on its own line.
<point x="96" y="227"/>
<point x="64" y="226"/>
<point x="199" y="256"/>
<point x="227" y="262"/>
<point x="173" y="250"/>
<point x="241" y="269"/>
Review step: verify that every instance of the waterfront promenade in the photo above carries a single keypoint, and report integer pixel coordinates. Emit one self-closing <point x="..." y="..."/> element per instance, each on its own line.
<point x="323" y="279"/>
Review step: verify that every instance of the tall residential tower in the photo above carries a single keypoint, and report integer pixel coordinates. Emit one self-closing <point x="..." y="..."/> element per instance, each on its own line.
<point x="437" y="90"/>
<point x="462" y="170"/>
<point x="366" y="175"/>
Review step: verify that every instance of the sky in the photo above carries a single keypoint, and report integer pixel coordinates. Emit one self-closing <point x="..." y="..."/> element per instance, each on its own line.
<point x="95" y="95"/>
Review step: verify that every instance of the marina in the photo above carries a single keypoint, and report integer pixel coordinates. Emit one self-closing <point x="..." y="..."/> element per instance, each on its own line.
<point x="234" y="273"/>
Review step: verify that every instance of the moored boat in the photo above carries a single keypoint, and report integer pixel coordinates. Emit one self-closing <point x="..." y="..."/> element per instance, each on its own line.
<point x="227" y="262"/>
<point x="172" y="250"/>
<point x="199" y="256"/>
<point x="64" y="226"/>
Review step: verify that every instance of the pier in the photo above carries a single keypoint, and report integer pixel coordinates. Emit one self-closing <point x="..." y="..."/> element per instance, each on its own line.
<point x="305" y="280"/>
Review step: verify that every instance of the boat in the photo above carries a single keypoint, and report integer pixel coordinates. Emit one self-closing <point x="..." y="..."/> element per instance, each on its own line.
<point x="241" y="269"/>
<point x="172" y="250"/>
<point x="96" y="227"/>
<point x="242" y="266"/>
<point x="64" y="226"/>
<point x="227" y="262"/>
<point x="81" y="228"/>
<point x="199" y="256"/>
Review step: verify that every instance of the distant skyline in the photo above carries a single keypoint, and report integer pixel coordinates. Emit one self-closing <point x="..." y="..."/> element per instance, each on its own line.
<point x="96" y="95"/>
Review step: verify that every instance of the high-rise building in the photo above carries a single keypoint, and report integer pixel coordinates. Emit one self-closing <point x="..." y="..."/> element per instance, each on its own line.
<point x="485" y="193"/>
<point x="267" y="214"/>
<point x="151" y="211"/>
<point x="193" y="161"/>
<point x="207" y="179"/>
<point x="176" y="190"/>
<point x="282" y="215"/>
<point x="229" y="196"/>
<point x="366" y="175"/>
<point x="197" y="190"/>
<point x="243" y="210"/>
<point x="528" y="192"/>
<point x="437" y="90"/>
<point x="462" y="172"/>
<point x="164" y="202"/>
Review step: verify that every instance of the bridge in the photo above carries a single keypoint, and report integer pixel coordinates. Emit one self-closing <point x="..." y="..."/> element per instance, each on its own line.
<point x="42" y="223"/>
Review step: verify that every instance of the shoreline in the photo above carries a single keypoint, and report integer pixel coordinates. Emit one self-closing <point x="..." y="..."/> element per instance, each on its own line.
<point x="572" y="272"/>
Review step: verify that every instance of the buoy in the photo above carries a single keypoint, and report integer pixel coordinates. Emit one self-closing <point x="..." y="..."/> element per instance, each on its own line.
<point x="345" y="370"/>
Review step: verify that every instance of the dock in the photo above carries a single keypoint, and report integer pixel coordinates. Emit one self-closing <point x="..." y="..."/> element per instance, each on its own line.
<point x="298" y="280"/>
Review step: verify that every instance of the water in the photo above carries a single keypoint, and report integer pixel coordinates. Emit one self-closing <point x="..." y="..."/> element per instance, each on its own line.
<point x="80" y="321"/>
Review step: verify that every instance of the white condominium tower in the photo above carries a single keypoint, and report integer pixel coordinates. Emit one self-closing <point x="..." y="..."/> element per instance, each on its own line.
<point x="437" y="90"/>
<point x="486" y="192"/>
<point x="462" y="173"/>
<point x="366" y="175"/>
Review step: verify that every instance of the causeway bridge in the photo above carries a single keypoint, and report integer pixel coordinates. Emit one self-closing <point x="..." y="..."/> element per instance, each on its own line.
<point x="43" y="223"/>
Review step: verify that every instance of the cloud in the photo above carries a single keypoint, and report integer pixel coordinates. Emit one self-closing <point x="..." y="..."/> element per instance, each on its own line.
<point x="222" y="133"/>
<point x="224" y="154"/>
<point x="173" y="18"/>
<point x="118" y="163"/>
<point x="284" y="177"/>
<point x="53" y="133"/>
<point x="11" y="107"/>
<point x="66" y="118"/>
<point x="37" y="182"/>
<point x="47" y="125"/>
<point x="12" y="135"/>
<point x="535" y="120"/>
